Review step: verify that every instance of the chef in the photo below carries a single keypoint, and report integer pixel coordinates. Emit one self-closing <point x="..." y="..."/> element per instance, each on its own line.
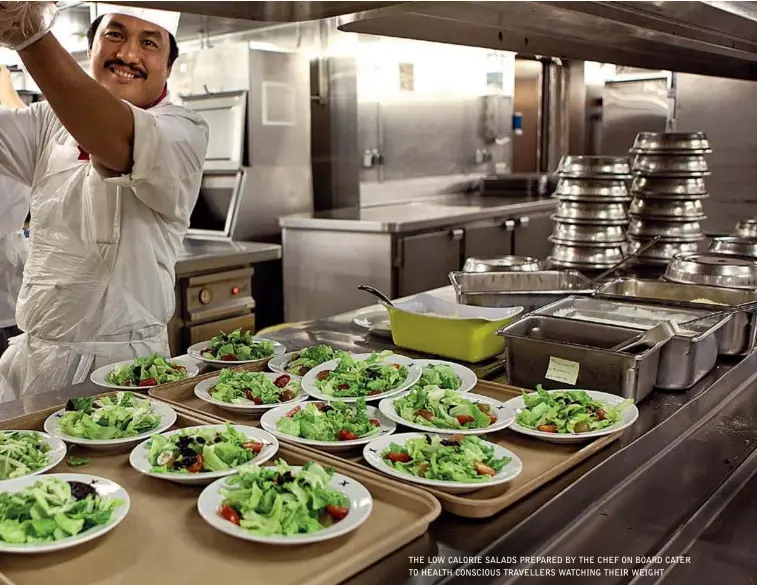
<point x="115" y="170"/>
<point x="14" y="207"/>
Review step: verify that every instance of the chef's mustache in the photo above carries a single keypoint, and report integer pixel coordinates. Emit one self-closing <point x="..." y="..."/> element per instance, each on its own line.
<point x="131" y="68"/>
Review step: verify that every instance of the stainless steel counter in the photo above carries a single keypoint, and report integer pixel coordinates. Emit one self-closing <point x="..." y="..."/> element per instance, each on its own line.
<point x="416" y="215"/>
<point x="199" y="255"/>
<point x="665" y="489"/>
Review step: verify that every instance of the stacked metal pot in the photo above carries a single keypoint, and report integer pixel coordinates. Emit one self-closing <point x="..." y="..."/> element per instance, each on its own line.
<point x="668" y="189"/>
<point x="592" y="213"/>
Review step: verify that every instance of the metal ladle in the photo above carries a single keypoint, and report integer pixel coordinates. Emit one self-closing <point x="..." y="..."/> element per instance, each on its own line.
<point x="376" y="293"/>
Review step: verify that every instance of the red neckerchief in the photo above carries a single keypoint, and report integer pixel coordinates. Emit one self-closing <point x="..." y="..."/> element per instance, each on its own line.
<point x="84" y="155"/>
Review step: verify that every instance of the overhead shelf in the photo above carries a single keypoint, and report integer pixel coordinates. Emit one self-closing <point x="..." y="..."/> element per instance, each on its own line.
<point x="709" y="38"/>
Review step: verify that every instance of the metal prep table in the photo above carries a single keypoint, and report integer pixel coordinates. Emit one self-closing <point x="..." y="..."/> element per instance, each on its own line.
<point x="679" y="480"/>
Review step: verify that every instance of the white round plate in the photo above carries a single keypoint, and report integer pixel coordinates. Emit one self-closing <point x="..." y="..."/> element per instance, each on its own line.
<point x="468" y="378"/>
<point x="167" y="419"/>
<point x="105" y="488"/>
<point x="375" y="320"/>
<point x="360" y="504"/>
<point x="269" y="419"/>
<point x="138" y="458"/>
<point x="55" y="455"/>
<point x="98" y="376"/>
<point x="195" y="351"/>
<point x="505" y="416"/>
<point x="202" y="391"/>
<point x="413" y="374"/>
<point x="629" y="413"/>
<point x="372" y="454"/>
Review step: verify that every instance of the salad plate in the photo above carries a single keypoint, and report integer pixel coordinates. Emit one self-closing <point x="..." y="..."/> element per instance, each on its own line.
<point x="99" y="423"/>
<point x="371" y="376"/>
<point x="447" y="375"/>
<point x="227" y="506"/>
<point x="239" y="386"/>
<point x="539" y="409"/>
<point x="310" y="419"/>
<point x="235" y="349"/>
<point x="224" y="449"/>
<point x="101" y="376"/>
<point x="28" y="453"/>
<point x="474" y="462"/>
<point x="434" y="410"/>
<point x="299" y="363"/>
<point x="68" y="519"/>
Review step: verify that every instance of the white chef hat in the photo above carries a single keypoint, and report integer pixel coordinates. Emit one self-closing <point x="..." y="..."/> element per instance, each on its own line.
<point x="166" y="20"/>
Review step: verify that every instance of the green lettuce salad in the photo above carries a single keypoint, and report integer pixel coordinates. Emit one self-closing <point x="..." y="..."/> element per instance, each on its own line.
<point x="256" y="387"/>
<point x="567" y="412"/>
<point x="355" y="378"/>
<point x="238" y="347"/>
<point x="282" y="501"/>
<point x="462" y="459"/>
<point x="22" y="453"/>
<point x="149" y="371"/>
<point x="109" y="417"/>
<point x="318" y="421"/>
<point x="441" y="376"/>
<point x="443" y="409"/>
<point x="304" y="361"/>
<point x="52" y="509"/>
<point x="202" y="450"/>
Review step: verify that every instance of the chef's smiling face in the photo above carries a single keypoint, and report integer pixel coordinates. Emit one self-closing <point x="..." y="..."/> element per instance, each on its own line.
<point x="130" y="57"/>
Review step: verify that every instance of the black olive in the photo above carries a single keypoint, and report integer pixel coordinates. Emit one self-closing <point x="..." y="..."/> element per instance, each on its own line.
<point x="70" y="405"/>
<point x="327" y="408"/>
<point x="448" y="443"/>
<point x="201" y="441"/>
<point x="80" y="490"/>
<point x="285" y="477"/>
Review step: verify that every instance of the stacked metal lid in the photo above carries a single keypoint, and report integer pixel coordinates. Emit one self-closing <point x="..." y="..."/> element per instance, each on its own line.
<point x="746" y="228"/>
<point x="668" y="189"/>
<point x="592" y="213"/>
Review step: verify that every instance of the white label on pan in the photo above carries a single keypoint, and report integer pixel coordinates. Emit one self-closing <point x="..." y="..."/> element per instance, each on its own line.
<point x="561" y="370"/>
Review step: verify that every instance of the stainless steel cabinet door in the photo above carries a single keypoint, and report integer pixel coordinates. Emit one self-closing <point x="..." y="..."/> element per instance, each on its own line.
<point x="424" y="261"/>
<point x="532" y="236"/>
<point x="486" y="241"/>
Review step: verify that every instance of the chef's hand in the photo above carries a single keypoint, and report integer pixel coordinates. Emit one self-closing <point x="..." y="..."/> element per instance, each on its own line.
<point x="24" y="23"/>
<point x="8" y="96"/>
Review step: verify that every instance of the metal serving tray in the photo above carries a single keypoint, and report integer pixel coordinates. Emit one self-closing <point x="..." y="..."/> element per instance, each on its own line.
<point x="536" y="346"/>
<point x="684" y="360"/>
<point x="737" y="337"/>
<point x="529" y="290"/>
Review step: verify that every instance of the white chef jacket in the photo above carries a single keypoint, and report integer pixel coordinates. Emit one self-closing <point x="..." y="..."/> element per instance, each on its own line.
<point x="14" y="206"/>
<point x="99" y="278"/>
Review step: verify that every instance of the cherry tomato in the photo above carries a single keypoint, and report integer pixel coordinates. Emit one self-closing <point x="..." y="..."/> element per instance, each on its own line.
<point x="320" y="405"/>
<point x="294" y="411"/>
<point x="323" y="375"/>
<point x="376" y="423"/>
<point x="397" y="457"/>
<point x="229" y="358"/>
<point x="601" y="414"/>
<point x="197" y="464"/>
<point x="345" y="435"/>
<point x="547" y="428"/>
<point x="252" y="398"/>
<point x="374" y="392"/>
<point x="465" y="419"/>
<point x="282" y="381"/>
<point x="483" y="469"/>
<point x="428" y="415"/>
<point x="492" y="419"/>
<point x="337" y="512"/>
<point x="179" y="368"/>
<point x="286" y="396"/>
<point x="229" y="513"/>
<point x="149" y="382"/>
<point x="253" y="446"/>
<point x="343" y="387"/>
<point x="303" y="370"/>
<point x="396" y="366"/>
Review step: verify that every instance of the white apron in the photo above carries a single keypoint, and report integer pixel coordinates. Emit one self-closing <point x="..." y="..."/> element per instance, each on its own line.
<point x="70" y="328"/>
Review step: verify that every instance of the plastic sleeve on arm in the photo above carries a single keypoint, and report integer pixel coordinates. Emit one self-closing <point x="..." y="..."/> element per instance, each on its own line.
<point x="168" y="158"/>
<point x="19" y="143"/>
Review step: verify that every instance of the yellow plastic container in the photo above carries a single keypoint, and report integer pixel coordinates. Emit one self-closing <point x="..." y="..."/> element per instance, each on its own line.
<point x="431" y="325"/>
